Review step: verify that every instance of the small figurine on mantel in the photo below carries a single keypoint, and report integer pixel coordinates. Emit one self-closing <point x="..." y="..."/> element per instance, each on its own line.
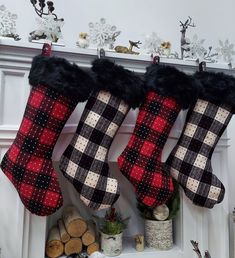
<point x="184" y="42"/>
<point x="139" y="242"/>
<point x="166" y="48"/>
<point x="49" y="25"/>
<point x="128" y="50"/>
<point x="83" y="40"/>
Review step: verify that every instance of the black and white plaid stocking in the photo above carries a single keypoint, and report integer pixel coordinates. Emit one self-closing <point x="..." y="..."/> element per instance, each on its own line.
<point x="190" y="160"/>
<point x="84" y="162"/>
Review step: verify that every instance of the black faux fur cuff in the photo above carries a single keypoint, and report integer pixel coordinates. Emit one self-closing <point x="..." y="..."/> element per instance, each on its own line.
<point x="58" y="73"/>
<point x="120" y="82"/>
<point x="168" y="81"/>
<point x="218" y="88"/>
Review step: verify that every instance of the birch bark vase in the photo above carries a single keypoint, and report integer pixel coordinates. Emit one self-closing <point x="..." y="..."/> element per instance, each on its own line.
<point x="159" y="234"/>
<point x="111" y="245"/>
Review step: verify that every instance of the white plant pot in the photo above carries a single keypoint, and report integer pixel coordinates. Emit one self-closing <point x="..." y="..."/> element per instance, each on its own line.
<point x="111" y="245"/>
<point x="159" y="234"/>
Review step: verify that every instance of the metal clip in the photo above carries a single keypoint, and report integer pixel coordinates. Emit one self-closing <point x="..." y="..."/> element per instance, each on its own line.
<point x="155" y="59"/>
<point x="100" y="53"/>
<point x="46" y="49"/>
<point x="202" y="66"/>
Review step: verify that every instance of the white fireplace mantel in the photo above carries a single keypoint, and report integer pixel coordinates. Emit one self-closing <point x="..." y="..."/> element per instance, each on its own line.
<point x="23" y="235"/>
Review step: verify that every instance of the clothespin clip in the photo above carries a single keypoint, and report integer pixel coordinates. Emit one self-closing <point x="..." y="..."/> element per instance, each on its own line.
<point x="202" y="66"/>
<point x="47" y="48"/>
<point x="100" y="53"/>
<point x="230" y="65"/>
<point x="155" y="59"/>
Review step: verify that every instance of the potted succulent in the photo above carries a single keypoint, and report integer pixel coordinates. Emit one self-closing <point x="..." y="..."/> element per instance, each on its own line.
<point x="158" y="221"/>
<point x="111" y="228"/>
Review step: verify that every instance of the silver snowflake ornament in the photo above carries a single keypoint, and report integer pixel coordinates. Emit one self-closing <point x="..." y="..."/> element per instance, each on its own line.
<point x="195" y="48"/>
<point x="103" y="34"/>
<point x="152" y="43"/>
<point x="7" y="23"/>
<point x="225" y="51"/>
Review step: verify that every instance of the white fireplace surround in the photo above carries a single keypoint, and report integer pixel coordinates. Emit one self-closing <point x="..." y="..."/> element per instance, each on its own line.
<point x="23" y="235"/>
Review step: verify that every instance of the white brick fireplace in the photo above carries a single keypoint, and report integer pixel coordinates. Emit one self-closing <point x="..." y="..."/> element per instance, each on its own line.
<point x="23" y="235"/>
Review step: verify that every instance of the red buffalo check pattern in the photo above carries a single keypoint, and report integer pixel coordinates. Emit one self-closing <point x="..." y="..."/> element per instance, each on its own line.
<point x="28" y="163"/>
<point x="141" y="161"/>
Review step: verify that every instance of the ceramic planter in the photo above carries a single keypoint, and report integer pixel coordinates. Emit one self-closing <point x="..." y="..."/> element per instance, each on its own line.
<point x="111" y="245"/>
<point x="159" y="234"/>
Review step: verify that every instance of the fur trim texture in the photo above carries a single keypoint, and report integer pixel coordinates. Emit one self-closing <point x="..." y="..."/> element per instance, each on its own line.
<point x="59" y="74"/>
<point x="120" y="82"/>
<point x="168" y="81"/>
<point x="218" y="88"/>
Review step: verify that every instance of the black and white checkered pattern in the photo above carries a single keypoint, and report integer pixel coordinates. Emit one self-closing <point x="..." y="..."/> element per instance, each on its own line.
<point x="190" y="160"/>
<point x="84" y="162"/>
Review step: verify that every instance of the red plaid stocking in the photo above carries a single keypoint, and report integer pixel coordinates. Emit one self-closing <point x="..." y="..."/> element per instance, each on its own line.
<point x="141" y="161"/>
<point x="28" y="163"/>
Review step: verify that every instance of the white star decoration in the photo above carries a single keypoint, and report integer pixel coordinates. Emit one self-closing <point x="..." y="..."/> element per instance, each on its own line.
<point x="50" y="27"/>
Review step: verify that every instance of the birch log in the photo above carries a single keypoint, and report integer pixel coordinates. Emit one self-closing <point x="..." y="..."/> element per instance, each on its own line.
<point x="74" y="223"/>
<point x="73" y="246"/>
<point x="54" y="246"/>
<point x="92" y="248"/>
<point x="63" y="232"/>
<point x="89" y="236"/>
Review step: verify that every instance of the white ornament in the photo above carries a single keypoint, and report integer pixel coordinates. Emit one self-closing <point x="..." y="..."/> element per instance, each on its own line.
<point x="50" y="27"/>
<point x="152" y="43"/>
<point x="161" y="212"/>
<point x="195" y="48"/>
<point x="97" y="255"/>
<point x="103" y="34"/>
<point x="225" y="51"/>
<point x="7" y="23"/>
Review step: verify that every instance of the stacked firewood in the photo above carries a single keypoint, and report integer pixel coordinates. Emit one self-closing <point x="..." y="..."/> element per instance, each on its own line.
<point x="72" y="234"/>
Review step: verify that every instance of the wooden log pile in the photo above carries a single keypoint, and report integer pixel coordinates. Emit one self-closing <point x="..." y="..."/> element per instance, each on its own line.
<point x="72" y="234"/>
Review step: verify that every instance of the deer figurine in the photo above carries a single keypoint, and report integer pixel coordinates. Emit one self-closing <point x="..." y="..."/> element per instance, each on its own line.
<point x="197" y="251"/>
<point x="126" y="50"/>
<point x="183" y="40"/>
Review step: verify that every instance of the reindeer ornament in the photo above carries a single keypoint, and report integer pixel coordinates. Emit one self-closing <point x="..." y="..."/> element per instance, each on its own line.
<point x="126" y="50"/>
<point x="184" y="42"/>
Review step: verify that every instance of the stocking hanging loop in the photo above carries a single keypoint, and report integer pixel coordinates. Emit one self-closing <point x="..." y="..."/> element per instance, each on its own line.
<point x="46" y="49"/>
<point x="155" y="59"/>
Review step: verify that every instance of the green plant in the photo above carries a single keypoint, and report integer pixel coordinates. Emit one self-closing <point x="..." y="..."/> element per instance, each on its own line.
<point x="112" y="223"/>
<point x="173" y="205"/>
